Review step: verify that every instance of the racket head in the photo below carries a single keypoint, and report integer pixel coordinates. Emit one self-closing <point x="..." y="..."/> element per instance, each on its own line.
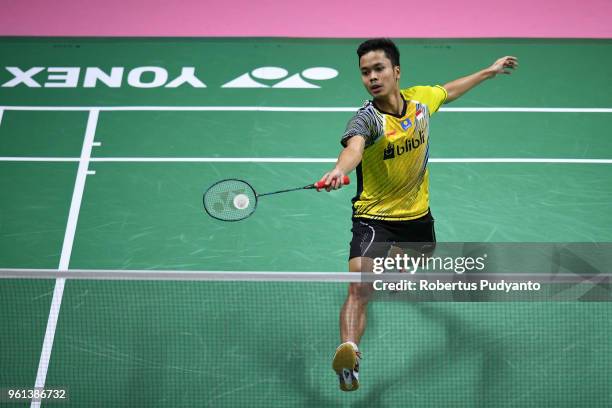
<point x="230" y="200"/>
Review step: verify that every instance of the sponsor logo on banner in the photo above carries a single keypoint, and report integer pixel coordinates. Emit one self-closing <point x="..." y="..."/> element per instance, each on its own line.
<point x="156" y="77"/>
<point x="263" y="77"/>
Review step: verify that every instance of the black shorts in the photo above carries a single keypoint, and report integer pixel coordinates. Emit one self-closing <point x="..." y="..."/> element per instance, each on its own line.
<point x="374" y="238"/>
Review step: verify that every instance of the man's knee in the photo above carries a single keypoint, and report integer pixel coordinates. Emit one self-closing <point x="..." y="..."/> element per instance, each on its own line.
<point x="361" y="264"/>
<point x="360" y="292"/>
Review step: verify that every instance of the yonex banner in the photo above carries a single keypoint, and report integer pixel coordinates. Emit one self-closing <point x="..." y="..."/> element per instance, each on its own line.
<point x="268" y="71"/>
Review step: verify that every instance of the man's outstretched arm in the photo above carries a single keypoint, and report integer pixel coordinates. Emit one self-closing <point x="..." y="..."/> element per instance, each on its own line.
<point x="349" y="158"/>
<point x="460" y="86"/>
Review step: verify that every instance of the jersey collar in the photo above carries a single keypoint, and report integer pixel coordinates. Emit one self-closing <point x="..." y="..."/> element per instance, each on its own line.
<point x="393" y="114"/>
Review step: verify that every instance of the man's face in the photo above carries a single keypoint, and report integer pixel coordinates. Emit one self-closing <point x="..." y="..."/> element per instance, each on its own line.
<point x="379" y="76"/>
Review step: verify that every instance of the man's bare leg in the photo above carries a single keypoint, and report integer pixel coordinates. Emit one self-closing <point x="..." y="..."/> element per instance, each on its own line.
<point x="353" y="315"/>
<point x="352" y="325"/>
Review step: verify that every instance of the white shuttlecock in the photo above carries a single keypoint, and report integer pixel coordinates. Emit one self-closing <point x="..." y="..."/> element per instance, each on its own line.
<point x="241" y="201"/>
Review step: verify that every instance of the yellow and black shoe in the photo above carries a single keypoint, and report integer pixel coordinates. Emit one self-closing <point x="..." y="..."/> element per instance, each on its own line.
<point x="346" y="366"/>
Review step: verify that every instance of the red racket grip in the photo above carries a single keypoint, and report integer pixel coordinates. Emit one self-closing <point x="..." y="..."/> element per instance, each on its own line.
<point x="321" y="183"/>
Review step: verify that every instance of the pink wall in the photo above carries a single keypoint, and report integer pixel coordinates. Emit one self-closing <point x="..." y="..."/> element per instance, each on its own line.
<point x="317" y="18"/>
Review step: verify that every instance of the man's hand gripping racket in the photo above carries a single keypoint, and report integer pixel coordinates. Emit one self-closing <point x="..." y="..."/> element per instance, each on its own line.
<point x="332" y="180"/>
<point x="234" y="200"/>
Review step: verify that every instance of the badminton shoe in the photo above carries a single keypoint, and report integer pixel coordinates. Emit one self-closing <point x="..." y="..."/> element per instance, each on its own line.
<point x="346" y="366"/>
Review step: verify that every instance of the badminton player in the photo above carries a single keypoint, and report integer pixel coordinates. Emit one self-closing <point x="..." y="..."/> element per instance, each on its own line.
<point x="387" y="142"/>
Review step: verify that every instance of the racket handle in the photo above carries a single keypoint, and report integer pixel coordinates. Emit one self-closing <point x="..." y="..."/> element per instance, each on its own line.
<point x="321" y="183"/>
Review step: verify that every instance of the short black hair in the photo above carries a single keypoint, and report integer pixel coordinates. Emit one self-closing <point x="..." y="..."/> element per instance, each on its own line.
<point x="382" y="44"/>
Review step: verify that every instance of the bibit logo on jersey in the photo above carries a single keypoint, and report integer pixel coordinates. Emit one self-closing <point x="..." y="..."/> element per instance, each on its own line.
<point x="389" y="152"/>
<point x="392" y="150"/>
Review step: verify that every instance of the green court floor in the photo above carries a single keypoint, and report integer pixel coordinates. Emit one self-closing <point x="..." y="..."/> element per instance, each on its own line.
<point x="235" y="344"/>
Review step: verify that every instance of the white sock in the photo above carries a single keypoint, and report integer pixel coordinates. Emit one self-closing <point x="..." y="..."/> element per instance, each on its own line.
<point x="352" y="344"/>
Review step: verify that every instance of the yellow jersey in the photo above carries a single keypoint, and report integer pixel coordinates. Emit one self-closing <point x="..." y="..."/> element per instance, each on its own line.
<point x="392" y="178"/>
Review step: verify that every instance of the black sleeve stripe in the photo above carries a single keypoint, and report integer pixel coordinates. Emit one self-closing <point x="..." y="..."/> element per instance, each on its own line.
<point x="367" y="122"/>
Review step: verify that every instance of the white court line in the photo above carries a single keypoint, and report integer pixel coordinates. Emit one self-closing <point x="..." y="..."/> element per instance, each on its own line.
<point x="73" y="216"/>
<point x="1" y="114"/>
<point x="333" y="160"/>
<point x="500" y="160"/>
<point x="520" y="160"/>
<point x="39" y="159"/>
<point x="212" y="160"/>
<point x="530" y="110"/>
<point x="289" y="109"/>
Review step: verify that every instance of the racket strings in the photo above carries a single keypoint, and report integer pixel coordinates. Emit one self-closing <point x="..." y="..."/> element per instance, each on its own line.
<point x="230" y="200"/>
